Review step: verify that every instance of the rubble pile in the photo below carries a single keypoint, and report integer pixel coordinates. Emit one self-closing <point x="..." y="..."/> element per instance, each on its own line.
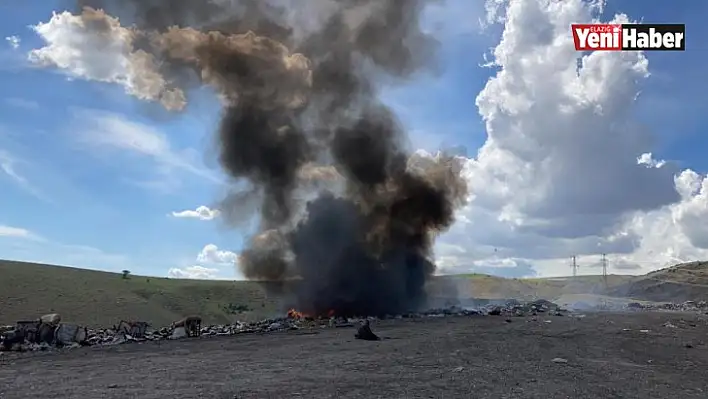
<point x="688" y="306"/>
<point x="49" y="332"/>
<point x="43" y="333"/>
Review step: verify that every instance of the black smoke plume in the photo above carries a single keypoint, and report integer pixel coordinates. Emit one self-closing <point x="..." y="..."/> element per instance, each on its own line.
<point x="345" y="213"/>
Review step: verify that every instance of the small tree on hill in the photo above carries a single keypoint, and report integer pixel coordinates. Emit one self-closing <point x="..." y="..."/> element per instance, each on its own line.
<point x="126" y="273"/>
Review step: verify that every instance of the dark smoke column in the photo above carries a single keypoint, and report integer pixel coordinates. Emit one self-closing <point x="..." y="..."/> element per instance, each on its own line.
<point x="344" y="212"/>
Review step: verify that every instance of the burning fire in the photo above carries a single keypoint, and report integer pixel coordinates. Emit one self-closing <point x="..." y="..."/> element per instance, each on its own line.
<point x="294" y="314"/>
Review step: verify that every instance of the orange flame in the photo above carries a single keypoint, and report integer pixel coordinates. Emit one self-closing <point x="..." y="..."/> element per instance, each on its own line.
<point x="295" y="314"/>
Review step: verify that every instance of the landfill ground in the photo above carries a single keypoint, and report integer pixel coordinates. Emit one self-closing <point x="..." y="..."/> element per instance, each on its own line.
<point x="607" y="354"/>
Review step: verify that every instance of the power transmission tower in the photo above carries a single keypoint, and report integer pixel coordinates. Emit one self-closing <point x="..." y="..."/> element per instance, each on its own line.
<point x="604" y="269"/>
<point x="574" y="265"/>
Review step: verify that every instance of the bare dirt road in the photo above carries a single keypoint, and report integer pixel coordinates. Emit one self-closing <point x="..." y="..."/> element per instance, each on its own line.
<point x="477" y="357"/>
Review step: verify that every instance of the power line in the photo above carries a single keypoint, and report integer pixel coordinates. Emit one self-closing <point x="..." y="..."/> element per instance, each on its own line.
<point x="574" y="265"/>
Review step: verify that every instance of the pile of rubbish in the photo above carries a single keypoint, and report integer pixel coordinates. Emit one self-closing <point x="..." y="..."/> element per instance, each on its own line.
<point x="688" y="306"/>
<point x="49" y="332"/>
<point x="43" y="333"/>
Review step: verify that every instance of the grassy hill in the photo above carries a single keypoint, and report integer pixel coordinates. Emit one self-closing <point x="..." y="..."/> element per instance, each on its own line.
<point x="486" y="286"/>
<point x="682" y="282"/>
<point x="97" y="298"/>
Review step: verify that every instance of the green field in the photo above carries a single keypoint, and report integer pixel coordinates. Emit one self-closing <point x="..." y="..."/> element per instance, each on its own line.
<point x="95" y="298"/>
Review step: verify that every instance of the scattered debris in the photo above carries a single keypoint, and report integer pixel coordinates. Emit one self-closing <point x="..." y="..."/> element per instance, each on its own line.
<point x="688" y="306"/>
<point x="669" y="325"/>
<point x="191" y="324"/>
<point x="179" y="333"/>
<point x="364" y="332"/>
<point x="51" y="319"/>
<point x="559" y="360"/>
<point x="458" y="369"/>
<point x="495" y="312"/>
<point x="49" y="332"/>
<point x="135" y="329"/>
<point x="13" y="339"/>
<point x="69" y="334"/>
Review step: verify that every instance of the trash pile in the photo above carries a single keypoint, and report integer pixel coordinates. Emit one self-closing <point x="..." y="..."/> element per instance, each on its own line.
<point x="510" y="307"/>
<point x="688" y="306"/>
<point x="49" y="332"/>
<point x="41" y="334"/>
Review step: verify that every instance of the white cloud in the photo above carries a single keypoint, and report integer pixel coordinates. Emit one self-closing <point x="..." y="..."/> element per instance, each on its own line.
<point x="8" y="166"/>
<point x="202" y="213"/>
<point x="648" y="160"/>
<point x="108" y="131"/>
<point x="17" y="232"/>
<point x="194" y="272"/>
<point x="94" y="46"/>
<point x="13" y="41"/>
<point x="565" y="169"/>
<point x="212" y="263"/>
<point x="211" y="254"/>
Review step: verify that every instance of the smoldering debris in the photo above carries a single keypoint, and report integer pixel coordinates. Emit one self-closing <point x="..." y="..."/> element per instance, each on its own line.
<point x="300" y="106"/>
<point x="364" y="332"/>
<point x="28" y="335"/>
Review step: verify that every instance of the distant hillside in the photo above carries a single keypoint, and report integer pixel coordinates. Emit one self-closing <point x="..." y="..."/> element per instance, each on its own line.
<point x="97" y="298"/>
<point x="94" y="298"/>
<point x="679" y="283"/>
<point x="486" y="286"/>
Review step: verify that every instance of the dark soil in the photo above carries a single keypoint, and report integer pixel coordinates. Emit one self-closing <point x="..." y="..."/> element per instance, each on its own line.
<point x="475" y="357"/>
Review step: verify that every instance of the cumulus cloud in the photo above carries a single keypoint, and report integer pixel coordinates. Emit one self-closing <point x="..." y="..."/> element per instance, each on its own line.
<point x="13" y="41"/>
<point x="566" y="169"/>
<point x="94" y="46"/>
<point x="194" y="272"/>
<point x="211" y="254"/>
<point x="211" y="263"/>
<point x="202" y="213"/>
<point x="648" y="160"/>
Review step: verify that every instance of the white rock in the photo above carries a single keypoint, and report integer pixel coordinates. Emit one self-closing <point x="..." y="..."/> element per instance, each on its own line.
<point x="179" y="333"/>
<point x="52" y="318"/>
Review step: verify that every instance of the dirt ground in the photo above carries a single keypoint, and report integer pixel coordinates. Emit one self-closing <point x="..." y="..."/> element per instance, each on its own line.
<point x="475" y="357"/>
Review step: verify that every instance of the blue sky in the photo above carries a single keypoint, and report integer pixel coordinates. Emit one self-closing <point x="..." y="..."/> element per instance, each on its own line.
<point x="92" y="203"/>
